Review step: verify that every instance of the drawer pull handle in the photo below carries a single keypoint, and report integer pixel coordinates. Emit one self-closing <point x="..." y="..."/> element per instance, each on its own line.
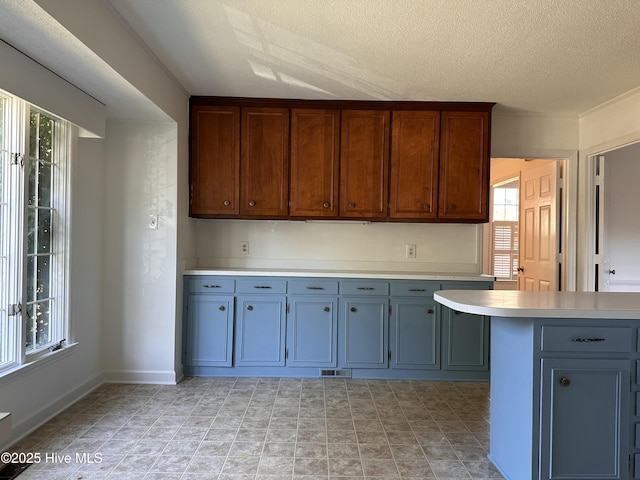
<point x="249" y="308"/>
<point x="565" y="382"/>
<point x="221" y="308"/>
<point x="417" y="289"/>
<point x="326" y="205"/>
<point x="366" y="288"/>
<point x="353" y="309"/>
<point x="262" y="286"/>
<point x="212" y="286"/>
<point x="588" y="340"/>
<point x="227" y="203"/>
<point x="430" y="311"/>
<point x="327" y="309"/>
<point x="315" y="288"/>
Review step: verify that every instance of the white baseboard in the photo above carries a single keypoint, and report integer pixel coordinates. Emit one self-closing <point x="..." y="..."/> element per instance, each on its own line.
<point x="162" y="377"/>
<point x="50" y="410"/>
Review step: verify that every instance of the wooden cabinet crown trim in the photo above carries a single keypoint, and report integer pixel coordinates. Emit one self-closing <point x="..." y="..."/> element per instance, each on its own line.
<point x="197" y="100"/>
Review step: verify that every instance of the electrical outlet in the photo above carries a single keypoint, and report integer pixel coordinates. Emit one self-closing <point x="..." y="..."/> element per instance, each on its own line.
<point x="244" y="248"/>
<point x="410" y="250"/>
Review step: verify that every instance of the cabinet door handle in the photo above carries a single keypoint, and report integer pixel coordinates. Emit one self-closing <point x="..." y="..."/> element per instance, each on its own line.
<point x="455" y="312"/>
<point x="565" y="382"/>
<point x="211" y="286"/>
<point x="426" y="206"/>
<point x="249" y="307"/>
<point x="226" y="203"/>
<point x="588" y="340"/>
<point x="452" y="207"/>
<point x="252" y="203"/>
<point x="352" y="205"/>
<point x="430" y="311"/>
<point x="353" y="309"/>
<point x="326" y="205"/>
<point x="221" y="308"/>
<point x="327" y="309"/>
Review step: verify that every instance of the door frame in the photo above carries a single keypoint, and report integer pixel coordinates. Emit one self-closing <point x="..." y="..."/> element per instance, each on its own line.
<point x="567" y="205"/>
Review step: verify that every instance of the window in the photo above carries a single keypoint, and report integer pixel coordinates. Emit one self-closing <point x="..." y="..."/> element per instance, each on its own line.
<point x="504" y="229"/>
<point x="34" y="233"/>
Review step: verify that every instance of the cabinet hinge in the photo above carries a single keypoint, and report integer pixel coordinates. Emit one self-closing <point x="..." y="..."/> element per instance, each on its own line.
<point x="389" y="309"/>
<point x="389" y="355"/>
<point x="288" y="308"/>
<point x="286" y="353"/>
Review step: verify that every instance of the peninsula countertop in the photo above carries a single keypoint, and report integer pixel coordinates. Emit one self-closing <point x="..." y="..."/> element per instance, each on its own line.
<point x="315" y="273"/>
<point x="513" y="303"/>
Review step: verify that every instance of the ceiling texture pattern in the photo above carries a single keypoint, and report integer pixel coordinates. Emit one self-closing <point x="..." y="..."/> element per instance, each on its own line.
<point x="547" y="57"/>
<point x="556" y="57"/>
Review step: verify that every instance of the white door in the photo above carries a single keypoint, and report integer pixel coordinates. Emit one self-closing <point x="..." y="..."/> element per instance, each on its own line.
<point x="538" y="227"/>
<point x="619" y="265"/>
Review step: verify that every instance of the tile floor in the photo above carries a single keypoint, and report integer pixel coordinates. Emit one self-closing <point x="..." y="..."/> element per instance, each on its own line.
<point x="269" y="429"/>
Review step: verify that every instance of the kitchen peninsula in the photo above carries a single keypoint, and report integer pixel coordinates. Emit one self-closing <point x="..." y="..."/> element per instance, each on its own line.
<point x="565" y="382"/>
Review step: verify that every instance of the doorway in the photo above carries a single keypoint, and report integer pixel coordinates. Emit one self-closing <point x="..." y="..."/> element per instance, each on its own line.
<point x="523" y="239"/>
<point x="617" y="266"/>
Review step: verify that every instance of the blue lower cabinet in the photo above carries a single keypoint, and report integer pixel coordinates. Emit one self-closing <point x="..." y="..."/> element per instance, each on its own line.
<point x="312" y="324"/>
<point x="208" y="336"/>
<point x="465" y="336"/>
<point x="260" y="330"/>
<point x="364" y="340"/>
<point x="584" y="419"/>
<point x="414" y="334"/>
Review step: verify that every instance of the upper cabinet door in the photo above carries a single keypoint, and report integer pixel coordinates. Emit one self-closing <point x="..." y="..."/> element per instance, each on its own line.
<point x="414" y="165"/>
<point x="265" y="162"/>
<point x="464" y="166"/>
<point x="364" y="163"/>
<point x="215" y="161"/>
<point x="315" y="154"/>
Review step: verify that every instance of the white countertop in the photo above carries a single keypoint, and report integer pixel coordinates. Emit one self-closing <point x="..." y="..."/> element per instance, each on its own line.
<point x="511" y="303"/>
<point x="339" y="274"/>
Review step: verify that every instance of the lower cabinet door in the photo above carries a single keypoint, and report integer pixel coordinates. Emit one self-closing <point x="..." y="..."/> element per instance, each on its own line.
<point x="312" y="331"/>
<point x="466" y="340"/>
<point x="260" y="330"/>
<point x="414" y="335"/>
<point x="209" y="330"/>
<point x="364" y="340"/>
<point x="584" y="419"/>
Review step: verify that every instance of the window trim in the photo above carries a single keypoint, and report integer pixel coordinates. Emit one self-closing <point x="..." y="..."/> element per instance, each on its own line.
<point x="17" y="140"/>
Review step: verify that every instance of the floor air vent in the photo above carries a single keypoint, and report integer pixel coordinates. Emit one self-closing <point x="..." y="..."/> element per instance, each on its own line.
<point x="335" y="373"/>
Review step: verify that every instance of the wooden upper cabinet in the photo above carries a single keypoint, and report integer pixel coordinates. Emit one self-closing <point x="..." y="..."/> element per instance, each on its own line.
<point x="264" y="184"/>
<point x="413" y="192"/>
<point x="215" y="161"/>
<point x="464" y="166"/>
<point x="364" y="164"/>
<point x="315" y="155"/>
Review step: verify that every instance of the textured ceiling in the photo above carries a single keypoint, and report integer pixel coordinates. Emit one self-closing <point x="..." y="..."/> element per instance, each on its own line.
<point x="560" y="57"/>
<point x="556" y="57"/>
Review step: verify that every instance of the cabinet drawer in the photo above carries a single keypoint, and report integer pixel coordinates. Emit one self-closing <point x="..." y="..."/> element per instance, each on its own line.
<point x="313" y="287"/>
<point x="211" y="285"/>
<point x="585" y="339"/>
<point x="364" y="287"/>
<point x="261" y="285"/>
<point x="413" y="289"/>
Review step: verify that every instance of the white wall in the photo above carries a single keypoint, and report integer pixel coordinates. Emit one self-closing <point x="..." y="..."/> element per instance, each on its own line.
<point x="338" y="246"/>
<point x="140" y="264"/>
